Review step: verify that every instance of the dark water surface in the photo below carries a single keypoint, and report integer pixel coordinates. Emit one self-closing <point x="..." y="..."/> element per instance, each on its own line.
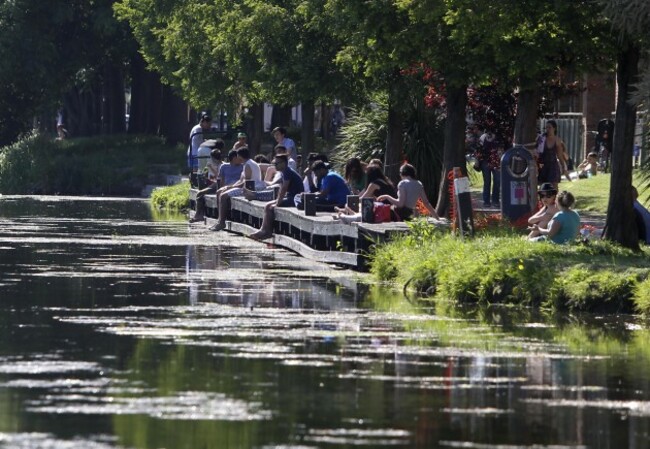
<point x="119" y="330"/>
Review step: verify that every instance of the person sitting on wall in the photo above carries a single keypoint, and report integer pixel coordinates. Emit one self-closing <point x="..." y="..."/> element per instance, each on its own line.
<point x="642" y="217"/>
<point x="290" y="186"/>
<point x="565" y="224"/>
<point x="409" y="191"/>
<point x="310" y="182"/>
<point x="213" y="166"/>
<point x="333" y="190"/>
<point x="547" y="194"/>
<point x="588" y="167"/>
<point x="230" y="172"/>
<point x="251" y="172"/>
<point x="377" y="185"/>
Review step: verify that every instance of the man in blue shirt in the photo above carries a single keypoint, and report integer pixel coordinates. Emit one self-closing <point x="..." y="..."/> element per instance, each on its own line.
<point x="333" y="188"/>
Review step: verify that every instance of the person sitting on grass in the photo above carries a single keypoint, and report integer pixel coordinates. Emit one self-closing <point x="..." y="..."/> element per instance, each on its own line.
<point x="547" y="194"/>
<point x="588" y="167"/>
<point x="409" y="191"/>
<point x="291" y="185"/>
<point x="565" y="224"/>
<point x="251" y="172"/>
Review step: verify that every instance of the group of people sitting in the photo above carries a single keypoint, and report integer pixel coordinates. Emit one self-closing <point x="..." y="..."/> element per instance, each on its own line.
<point x="279" y="182"/>
<point x="557" y="222"/>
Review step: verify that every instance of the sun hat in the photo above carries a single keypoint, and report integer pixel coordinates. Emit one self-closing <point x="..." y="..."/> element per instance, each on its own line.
<point x="547" y="188"/>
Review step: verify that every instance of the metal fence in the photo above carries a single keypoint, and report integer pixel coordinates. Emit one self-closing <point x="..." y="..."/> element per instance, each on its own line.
<point x="571" y="128"/>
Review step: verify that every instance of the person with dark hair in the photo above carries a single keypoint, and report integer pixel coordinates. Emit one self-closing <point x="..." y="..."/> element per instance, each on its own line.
<point x="378" y="184"/>
<point x="542" y="217"/>
<point x="310" y="181"/>
<point x="333" y="189"/>
<point x="588" y="167"/>
<point x="214" y="164"/>
<point x="250" y="172"/>
<point x="551" y="147"/>
<point x="355" y="175"/>
<point x="487" y="154"/>
<point x="196" y="139"/>
<point x="565" y="224"/>
<point x="280" y="135"/>
<point x="227" y="174"/>
<point x="290" y="186"/>
<point x="409" y="191"/>
<point x="230" y="172"/>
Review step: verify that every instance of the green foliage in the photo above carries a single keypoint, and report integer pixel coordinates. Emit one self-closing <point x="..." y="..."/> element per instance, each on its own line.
<point x="491" y="269"/>
<point x="364" y="133"/>
<point x="642" y="297"/>
<point x="172" y="198"/>
<point x="119" y="165"/>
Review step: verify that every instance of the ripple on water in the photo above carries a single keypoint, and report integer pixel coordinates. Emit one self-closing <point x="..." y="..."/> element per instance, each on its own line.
<point x="190" y="405"/>
<point x="359" y="437"/>
<point x="473" y="445"/>
<point x="21" y="366"/>
<point x="49" y="441"/>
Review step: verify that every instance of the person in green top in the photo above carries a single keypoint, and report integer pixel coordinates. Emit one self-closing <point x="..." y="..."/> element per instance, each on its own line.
<point x="565" y="224"/>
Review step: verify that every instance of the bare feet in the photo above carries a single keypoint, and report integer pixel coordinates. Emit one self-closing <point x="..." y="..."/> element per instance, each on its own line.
<point x="260" y="235"/>
<point x="196" y="219"/>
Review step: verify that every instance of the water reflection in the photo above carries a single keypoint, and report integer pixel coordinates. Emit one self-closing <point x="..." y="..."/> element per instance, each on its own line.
<point x="121" y="331"/>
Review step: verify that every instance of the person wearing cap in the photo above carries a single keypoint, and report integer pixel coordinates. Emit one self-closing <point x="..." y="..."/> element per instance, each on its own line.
<point x="542" y="217"/>
<point x="333" y="190"/>
<point x="241" y="141"/>
<point x="196" y="139"/>
<point x="564" y="227"/>
<point x="280" y="135"/>
<point x="290" y="186"/>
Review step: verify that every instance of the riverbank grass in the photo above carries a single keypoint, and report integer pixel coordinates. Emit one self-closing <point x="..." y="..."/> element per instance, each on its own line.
<point x="597" y="276"/>
<point x="172" y="198"/>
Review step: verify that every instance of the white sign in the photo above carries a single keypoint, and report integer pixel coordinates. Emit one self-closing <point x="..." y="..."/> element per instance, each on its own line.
<point x="461" y="185"/>
<point x="518" y="193"/>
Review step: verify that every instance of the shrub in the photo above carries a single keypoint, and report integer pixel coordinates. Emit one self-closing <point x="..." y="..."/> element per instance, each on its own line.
<point x="172" y="198"/>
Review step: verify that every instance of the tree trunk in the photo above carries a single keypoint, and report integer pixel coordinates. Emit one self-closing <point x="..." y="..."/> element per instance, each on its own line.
<point x="621" y="225"/>
<point x="175" y="122"/>
<point x="281" y="116"/>
<point x="325" y="120"/>
<point x="307" y="131"/>
<point x="454" y="148"/>
<point x="526" y="120"/>
<point x="114" y="104"/>
<point x="394" y="135"/>
<point x="255" y="127"/>
<point x="146" y="99"/>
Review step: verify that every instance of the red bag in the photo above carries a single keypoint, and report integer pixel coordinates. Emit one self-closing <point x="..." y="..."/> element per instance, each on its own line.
<point x="381" y="213"/>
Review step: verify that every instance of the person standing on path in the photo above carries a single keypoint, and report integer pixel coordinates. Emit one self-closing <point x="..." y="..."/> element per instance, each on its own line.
<point x="551" y="148"/>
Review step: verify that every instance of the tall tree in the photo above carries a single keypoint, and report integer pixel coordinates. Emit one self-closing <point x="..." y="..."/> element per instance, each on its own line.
<point x="631" y="18"/>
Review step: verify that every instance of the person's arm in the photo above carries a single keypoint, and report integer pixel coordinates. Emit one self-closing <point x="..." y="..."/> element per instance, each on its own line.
<point x="538" y="216"/>
<point x="284" y="188"/>
<point x="554" y="227"/>
<point x="427" y="204"/>
<point x="370" y="191"/>
<point x="397" y="202"/>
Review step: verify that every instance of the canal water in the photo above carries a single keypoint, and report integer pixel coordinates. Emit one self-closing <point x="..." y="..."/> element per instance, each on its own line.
<point x="123" y="329"/>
